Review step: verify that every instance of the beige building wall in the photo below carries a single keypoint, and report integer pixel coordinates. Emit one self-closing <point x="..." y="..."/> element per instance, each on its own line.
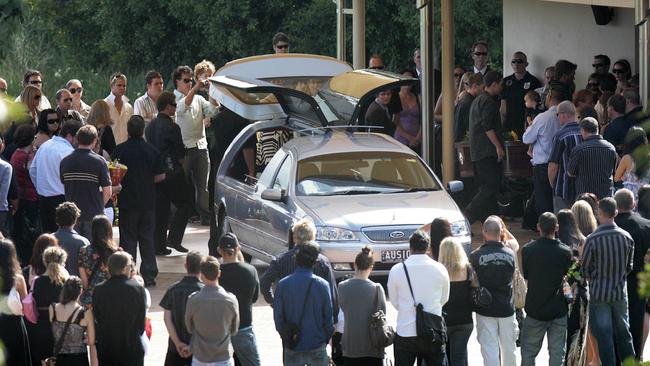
<point x="549" y="31"/>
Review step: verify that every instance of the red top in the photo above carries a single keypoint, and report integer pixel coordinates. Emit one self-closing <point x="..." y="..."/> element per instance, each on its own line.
<point x="20" y="161"/>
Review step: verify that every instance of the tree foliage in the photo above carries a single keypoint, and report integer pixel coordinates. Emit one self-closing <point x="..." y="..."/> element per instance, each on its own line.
<point x="90" y="39"/>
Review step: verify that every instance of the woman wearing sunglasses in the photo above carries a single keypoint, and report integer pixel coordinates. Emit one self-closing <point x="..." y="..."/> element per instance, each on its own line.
<point x="623" y="72"/>
<point x="49" y="124"/>
<point x="75" y="88"/>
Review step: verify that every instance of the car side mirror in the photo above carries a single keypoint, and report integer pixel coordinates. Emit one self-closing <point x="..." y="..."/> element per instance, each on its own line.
<point x="455" y="186"/>
<point x="276" y="195"/>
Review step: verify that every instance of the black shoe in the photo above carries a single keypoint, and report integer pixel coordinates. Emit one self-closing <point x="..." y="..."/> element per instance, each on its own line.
<point x="149" y="283"/>
<point x="164" y="252"/>
<point x="179" y="248"/>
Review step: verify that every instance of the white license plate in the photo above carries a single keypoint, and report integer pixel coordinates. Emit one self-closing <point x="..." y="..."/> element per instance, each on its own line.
<point x="394" y="256"/>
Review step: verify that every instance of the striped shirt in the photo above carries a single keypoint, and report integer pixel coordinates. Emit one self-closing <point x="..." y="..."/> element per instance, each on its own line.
<point x="606" y="261"/>
<point x="565" y="140"/>
<point x="145" y="107"/>
<point x="592" y="163"/>
<point x="84" y="174"/>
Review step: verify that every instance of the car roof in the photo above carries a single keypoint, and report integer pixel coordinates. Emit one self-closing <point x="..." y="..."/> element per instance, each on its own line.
<point x="336" y="142"/>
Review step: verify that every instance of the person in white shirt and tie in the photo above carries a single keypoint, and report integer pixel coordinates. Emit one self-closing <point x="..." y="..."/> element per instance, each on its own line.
<point x="191" y="110"/>
<point x="121" y="109"/>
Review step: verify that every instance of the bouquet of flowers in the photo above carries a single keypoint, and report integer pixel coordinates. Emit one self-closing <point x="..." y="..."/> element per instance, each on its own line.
<point x="117" y="171"/>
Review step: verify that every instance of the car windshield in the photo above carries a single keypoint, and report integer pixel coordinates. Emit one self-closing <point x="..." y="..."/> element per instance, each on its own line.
<point x="362" y="173"/>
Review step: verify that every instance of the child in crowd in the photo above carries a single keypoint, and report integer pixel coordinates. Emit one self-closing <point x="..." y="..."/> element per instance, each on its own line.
<point x="533" y="103"/>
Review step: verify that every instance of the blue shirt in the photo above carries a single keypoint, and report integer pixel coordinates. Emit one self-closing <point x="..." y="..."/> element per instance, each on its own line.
<point x="317" y="322"/>
<point x="541" y="134"/>
<point x="565" y="140"/>
<point x="45" y="167"/>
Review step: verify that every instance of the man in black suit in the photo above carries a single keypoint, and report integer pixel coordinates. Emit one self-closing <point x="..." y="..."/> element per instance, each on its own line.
<point x="119" y="310"/>
<point x="480" y="57"/>
<point x="639" y="229"/>
<point x="379" y="114"/>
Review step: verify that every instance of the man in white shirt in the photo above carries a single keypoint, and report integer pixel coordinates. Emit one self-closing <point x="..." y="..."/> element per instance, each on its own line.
<point x="121" y="109"/>
<point x="430" y="287"/>
<point x="45" y="172"/>
<point x="540" y="135"/>
<point x="480" y="57"/>
<point x="191" y="110"/>
<point x="35" y="78"/>
<point x="145" y="106"/>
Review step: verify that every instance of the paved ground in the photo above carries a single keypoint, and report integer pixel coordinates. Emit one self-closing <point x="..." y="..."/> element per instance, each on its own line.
<point x="171" y="269"/>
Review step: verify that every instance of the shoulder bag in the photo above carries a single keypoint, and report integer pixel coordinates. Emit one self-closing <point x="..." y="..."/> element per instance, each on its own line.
<point x="51" y="361"/>
<point x="290" y="332"/>
<point x="479" y="295"/>
<point x="29" y="305"/>
<point x="381" y="334"/>
<point x="519" y="288"/>
<point x="429" y="327"/>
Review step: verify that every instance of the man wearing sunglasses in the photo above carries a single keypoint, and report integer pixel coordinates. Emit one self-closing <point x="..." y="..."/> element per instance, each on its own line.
<point x="76" y="90"/>
<point x="280" y="43"/>
<point x="34" y="78"/>
<point x="191" y="110"/>
<point x="480" y="57"/>
<point x="64" y="106"/>
<point x="515" y="86"/>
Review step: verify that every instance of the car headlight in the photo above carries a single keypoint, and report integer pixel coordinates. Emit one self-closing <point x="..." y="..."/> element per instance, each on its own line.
<point x="459" y="228"/>
<point x="326" y="233"/>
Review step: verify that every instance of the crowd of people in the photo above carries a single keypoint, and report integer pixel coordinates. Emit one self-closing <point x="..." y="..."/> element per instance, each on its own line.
<point x="72" y="293"/>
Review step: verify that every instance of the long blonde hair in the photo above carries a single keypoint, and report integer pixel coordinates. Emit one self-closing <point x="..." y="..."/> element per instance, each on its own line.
<point x="27" y="96"/>
<point x="54" y="260"/>
<point x="100" y="114"/>
<point x="585" y="217"/>
<point x="452" y="255"/>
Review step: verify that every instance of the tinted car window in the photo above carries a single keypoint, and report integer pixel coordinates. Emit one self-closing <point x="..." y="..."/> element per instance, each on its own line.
<point x="282" y="178"/>
<point x="362" y="173"/>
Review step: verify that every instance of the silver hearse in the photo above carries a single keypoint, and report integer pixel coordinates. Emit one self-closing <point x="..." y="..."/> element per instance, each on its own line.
<point x="358" y="187"/>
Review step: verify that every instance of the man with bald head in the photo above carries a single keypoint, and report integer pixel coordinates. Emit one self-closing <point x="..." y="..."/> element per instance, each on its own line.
<point x="494" y="266"/>
<point x="515" y="86"/>
<point x="639" y="228"/>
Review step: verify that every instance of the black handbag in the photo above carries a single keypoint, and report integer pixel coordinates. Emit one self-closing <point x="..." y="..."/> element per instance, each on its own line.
<point x="381" y="334"/>
<point x="429" y="327"/>
<point x="479" y="295"/>
<point x="290" y="332"/>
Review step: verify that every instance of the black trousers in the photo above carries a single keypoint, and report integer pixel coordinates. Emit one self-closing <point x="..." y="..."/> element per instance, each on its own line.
<point x="363" y="361"/>
<point x="542" y="189"/>
<point x="136" y="227"/>
<point x="174" y="359"/>
<point x="47" y="208"/>
<point x="409" y="349"/>
<point x="487" y="176"/>
<point x="174" y="189"/>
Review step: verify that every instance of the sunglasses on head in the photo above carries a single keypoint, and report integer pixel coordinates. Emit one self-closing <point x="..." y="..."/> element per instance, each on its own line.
<point x="518" y="61"/>
<point x="34" y="82"/>
<point x="618" y="71"/>
<point x="53" y="121"/>
<point x="480" y="53"/>
<point x="282" y="46"/>
<point x="75" y="90"/>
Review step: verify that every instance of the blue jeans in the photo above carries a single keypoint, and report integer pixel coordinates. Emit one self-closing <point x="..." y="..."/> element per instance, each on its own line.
<point x="457" y="339"/>
<point x="245" y="347"/>
<point x="316" y="357"/>
<point x="532" y="336"/>
<point x="609" y="321"/>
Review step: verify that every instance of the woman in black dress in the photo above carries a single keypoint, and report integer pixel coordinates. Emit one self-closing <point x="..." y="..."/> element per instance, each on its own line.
<point x="13" y="334"/>
<point x="47" y="289"/>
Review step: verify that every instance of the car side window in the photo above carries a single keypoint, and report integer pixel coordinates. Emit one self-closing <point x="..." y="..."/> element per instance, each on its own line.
<point x="282" y="178"/>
